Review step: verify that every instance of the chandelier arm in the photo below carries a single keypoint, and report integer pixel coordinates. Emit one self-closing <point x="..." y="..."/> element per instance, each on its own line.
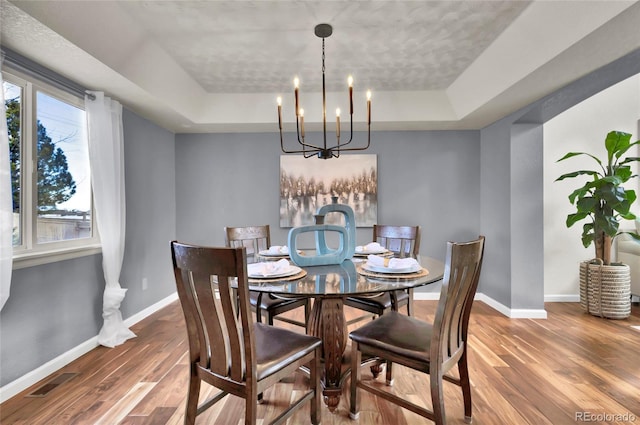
<point x="285" y="150"/>
<point x="340" y="148"/>
<point x="308" y="145"/>
<point x="302" y="142"/>
<point x="350" y="133"/>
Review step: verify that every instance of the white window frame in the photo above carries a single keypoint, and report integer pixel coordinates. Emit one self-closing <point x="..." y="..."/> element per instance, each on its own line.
<point x="31" y="253"/>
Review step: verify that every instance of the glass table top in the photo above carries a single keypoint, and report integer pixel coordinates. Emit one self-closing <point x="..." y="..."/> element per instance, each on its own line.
<point x="345" y="279"/>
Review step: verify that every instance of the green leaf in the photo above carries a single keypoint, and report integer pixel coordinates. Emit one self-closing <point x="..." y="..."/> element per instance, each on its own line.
<point x="578" y="173"/>
<point x="613" y="180"/>
<point x="612" y="194"/>
<point x="631" y="158"/>
<point x="616" y="143"/>
<point x="631" y="195"/>
<point x="623" y="172"/>
<point x="572" y="154"/>
<point x="587" y="239"/>
<point x="577" y="194"/>
<point x="587" y="204"/>
<point x="632" y="234"/>
<point x="607" y="224"/>
<point x="574" y="218"/>
<point x="625" y="206"/>
<point x="628" y="216"/>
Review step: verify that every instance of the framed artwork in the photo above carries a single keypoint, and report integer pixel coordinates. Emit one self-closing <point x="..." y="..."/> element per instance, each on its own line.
<point x="307" y="184"/>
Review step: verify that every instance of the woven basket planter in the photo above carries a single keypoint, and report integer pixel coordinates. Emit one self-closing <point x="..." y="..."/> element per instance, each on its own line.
<point x="605" y="291"/>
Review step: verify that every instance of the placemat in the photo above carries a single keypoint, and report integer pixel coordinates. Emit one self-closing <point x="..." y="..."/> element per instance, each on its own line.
<point x="387" y="254"/>
<point x="420" y="273"/>
<point x="273" y="257"/>
<point x="296" y="276"/>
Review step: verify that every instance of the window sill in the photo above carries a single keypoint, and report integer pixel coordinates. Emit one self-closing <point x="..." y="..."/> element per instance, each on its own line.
<point x="24" y="260"/>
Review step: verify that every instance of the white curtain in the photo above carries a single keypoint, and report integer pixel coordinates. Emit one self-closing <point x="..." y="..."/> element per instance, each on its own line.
<point x="106" y="156"/>
<point x="6" y="209"/>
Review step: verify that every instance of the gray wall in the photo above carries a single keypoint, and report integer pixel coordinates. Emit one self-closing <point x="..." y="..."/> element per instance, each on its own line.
<point x="51" y="309"/>
<point x="151" y="213"/>
<point x="424" y="178"/>
<point x="55" y="307"/>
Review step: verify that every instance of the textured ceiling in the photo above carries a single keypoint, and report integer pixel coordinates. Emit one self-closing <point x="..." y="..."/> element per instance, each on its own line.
<point x="200" y="66"/>
<point x="258" y="46"/>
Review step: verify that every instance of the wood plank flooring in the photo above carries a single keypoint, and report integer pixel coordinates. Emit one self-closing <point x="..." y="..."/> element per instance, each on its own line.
<point x="567" y="369"/>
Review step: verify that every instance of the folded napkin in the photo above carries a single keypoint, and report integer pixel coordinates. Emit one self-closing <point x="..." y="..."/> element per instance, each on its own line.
<point x="278" y="250"/>
<point x="268" y="268"/>
<point x="392" y="263"/>
<point x="370" y="247"/>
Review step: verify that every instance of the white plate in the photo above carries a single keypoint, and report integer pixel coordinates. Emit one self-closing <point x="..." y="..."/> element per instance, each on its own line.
<point x="266" y="253"/>
<point x="283" y="273"/>
<point x="381" y="269"/>
<point x="367" y="252"/>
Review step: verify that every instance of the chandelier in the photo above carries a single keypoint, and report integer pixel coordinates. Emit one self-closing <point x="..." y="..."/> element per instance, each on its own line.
<point x="324" y="151"/>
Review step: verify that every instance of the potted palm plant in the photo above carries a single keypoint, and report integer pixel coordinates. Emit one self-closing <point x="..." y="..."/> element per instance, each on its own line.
<point x="603" y="202"/>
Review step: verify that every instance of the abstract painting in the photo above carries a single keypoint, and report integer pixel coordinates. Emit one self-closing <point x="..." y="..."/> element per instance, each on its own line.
<point x="307" y="184"/>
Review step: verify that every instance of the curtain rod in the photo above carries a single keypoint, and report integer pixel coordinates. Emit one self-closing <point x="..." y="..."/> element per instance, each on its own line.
<point x="33" y="69"/>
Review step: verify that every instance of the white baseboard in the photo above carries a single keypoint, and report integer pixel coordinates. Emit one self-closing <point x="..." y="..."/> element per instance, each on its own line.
<point x="513" y="313"/>
<point x="501" y="308"/>
<point x="562" y="298"/>
<point x="428" y="296"/>
<point x="150" y="310"/>
<point x="30" y="378"/>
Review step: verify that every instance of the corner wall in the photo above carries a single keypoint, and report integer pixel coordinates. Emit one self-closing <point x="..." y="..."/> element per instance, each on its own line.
<point x="515" y="265"/>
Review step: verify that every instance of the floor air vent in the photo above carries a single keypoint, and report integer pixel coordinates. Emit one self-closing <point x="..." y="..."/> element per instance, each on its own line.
<point x="53" y="384"/>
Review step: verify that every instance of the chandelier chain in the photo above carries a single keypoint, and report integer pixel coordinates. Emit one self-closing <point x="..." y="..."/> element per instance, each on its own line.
<point x="323" y="55"/>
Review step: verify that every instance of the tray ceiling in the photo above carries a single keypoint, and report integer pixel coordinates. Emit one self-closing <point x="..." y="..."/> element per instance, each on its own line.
<point x="218" y="65"/>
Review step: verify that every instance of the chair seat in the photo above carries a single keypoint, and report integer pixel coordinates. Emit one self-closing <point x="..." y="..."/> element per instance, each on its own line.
<point x="378" y="302"/>
<point x="269" y="301"/>
<point x="278" y="347"/>
<point x="397" y="333"/>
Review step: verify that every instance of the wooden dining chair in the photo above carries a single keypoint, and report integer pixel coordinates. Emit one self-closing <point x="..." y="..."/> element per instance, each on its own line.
<point x="403" y="241"/>
<point x="256" y="239"/>
<point x="425" y="347"/>
<point x="231" y="351"/>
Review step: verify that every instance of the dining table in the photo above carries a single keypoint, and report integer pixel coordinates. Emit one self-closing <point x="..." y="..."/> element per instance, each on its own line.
<point x="329" y="285"/>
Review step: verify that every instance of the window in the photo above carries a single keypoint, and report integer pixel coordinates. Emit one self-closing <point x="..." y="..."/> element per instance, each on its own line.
<point x="50" y="174"/>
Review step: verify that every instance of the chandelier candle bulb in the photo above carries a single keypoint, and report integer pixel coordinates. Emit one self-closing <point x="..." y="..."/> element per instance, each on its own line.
<point x="350" y="81"/>
<point x="296" y="83"/>
<point x="338" y="123"/>
<point x="279" y="100"/>
<point x="368" y="106"/>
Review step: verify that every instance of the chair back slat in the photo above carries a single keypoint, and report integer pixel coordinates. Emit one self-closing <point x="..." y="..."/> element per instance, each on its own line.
<point x="216" y="340"/>
<point x="253" y="238"/>
<point x="461" y="275"/>
<point x="403" y="241"/>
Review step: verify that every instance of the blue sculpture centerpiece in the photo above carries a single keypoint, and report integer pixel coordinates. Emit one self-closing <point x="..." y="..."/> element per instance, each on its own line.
<point x="325" y="255"/>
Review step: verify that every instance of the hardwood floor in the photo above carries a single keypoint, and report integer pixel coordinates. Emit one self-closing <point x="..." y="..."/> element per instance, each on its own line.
<point x="522" y="372"/>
